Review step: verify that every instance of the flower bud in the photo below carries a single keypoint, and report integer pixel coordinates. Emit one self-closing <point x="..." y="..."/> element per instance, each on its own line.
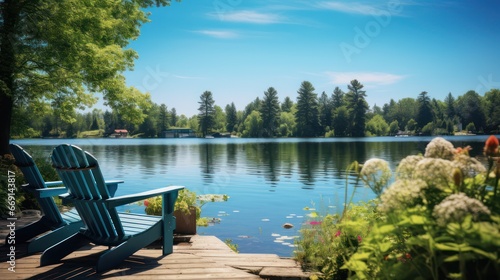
<point x="491" y="146"/>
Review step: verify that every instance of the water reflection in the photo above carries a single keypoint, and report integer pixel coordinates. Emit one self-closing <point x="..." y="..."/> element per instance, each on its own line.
<point x="266" y="179"/>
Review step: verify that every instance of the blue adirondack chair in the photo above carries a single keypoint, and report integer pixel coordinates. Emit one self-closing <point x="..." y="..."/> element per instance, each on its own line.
<point x="123" y="233"/>
<point x="56" y="226"/>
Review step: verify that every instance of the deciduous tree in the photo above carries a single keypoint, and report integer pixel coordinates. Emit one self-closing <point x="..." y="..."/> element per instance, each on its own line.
<point x="73" y="48"/>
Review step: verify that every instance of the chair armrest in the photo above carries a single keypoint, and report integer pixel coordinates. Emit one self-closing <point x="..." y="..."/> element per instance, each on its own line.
<point x="49" y="192"/>
<point x="53" y="183"/>
<point x="126" y="199"/>
<point x="113" y="186"/>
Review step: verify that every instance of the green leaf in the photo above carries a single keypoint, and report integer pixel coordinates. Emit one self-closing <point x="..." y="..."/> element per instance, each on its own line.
<point x="384" y="229"/>
<point x="360" y="256"/>
<point x="384" y="247"/>
<point x="453" y="258"/>
<point x="355" y="265"/>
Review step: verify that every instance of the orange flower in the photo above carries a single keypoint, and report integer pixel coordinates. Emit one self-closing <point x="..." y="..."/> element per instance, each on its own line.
<point x="146" y="203"/>
<point x="491" y="146"/>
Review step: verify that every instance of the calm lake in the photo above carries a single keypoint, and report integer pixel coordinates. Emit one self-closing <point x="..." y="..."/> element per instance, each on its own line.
<point x="269" y="181"/>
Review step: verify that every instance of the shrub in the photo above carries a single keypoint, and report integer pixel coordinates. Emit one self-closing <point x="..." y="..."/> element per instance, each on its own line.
<point x="440" y="220"/>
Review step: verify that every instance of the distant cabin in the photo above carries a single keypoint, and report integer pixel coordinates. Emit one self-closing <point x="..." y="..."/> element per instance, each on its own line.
<point x="221" y="135"/>
<point x="178" y="133"/>
<point x="119" y="133"/>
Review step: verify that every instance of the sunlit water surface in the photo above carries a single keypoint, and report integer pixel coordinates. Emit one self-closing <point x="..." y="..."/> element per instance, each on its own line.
<point x="269" y="181"/>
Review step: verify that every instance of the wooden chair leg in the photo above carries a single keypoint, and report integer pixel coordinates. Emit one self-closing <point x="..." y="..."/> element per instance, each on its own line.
<point x="29" y="231"/>
<point x="50" y="239"/>
<point x="118" y="254"/>
<point x="55" y="253"/>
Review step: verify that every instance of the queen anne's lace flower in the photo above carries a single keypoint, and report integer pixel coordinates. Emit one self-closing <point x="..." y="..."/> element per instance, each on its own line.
<point x="435" y="172"/>
<point x="470" y="167"/>
<point x="376" y="173"/>
<point x="456" y="207"/>
<point x="401" y="194"/>
<point x="407" y="166"/>
<point x="439" y="148"/>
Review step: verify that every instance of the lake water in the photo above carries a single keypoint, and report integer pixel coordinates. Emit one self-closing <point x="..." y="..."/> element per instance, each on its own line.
<point x="269" y="181"/>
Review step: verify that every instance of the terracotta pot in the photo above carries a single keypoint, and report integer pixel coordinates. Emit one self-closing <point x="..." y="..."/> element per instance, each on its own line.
<point x="185" y="223"/>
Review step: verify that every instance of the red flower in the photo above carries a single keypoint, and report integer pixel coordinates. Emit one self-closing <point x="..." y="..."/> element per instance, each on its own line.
<point x="359" y="239"/>
<point x="337" y="234"/>
<point x="491" y="146"/>
<point x="315" y="223"/>
<point x="408" y="256"/>
<point x="146" y="203"/>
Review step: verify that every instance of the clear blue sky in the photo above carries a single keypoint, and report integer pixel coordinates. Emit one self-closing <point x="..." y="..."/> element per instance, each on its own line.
<point x="237" y="49"/>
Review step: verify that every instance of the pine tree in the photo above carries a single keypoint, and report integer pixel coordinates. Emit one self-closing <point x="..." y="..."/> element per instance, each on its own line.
<point x="270" y="112"/>
<point x="206" y="116"/>
<point x="307" y="115"/>
<point x="357" y="108"/>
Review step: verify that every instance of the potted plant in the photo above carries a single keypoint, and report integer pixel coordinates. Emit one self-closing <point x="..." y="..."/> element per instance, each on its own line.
<point x="186" y="211"/>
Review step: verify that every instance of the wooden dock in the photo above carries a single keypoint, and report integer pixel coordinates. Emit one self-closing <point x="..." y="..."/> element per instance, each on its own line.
<point x="203" y="257"/>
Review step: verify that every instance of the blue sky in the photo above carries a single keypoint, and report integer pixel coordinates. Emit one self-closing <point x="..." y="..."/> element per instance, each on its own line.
<point x="237" y="49"/>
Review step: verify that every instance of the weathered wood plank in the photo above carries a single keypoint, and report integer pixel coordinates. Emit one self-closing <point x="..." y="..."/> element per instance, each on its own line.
<point x="204" y="257"/>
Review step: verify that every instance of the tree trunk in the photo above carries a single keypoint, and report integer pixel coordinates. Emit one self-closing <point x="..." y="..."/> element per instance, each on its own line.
<point x="10" y="16"/>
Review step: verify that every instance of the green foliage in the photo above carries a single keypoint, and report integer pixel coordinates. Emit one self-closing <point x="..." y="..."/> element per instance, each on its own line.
<point x="270" y="112"/>
<point x="435" y="227"/>
<point x="355" y="100"/>
<point x="341" y="121"/>
<point x="491" y="104"/>
<point x="327" y="241"/>
<point x="287" y="124"/>
<point x="307" y="116"/>
<point x="425" y="112"/>
<point x="469" y="110"/>
<point x="206" y="116"/>
<point x="438" y="219"/>
<point x="470" y="127"/>
<point x="231" y="117"/>
<point x="287" y="104"/>
<point x="394" y="127"/>
<point x="231" y="245"/>
<point x="186" y="200"/>
<point x="253" y="125"/>
<point x="377" y="126"/>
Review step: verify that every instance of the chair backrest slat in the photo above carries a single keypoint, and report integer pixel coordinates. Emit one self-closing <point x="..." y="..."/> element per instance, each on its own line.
<point x="35" y="181"/>
<point x="82" y="176"/>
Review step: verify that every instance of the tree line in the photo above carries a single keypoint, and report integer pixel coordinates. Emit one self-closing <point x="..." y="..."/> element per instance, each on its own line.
<point x="338" y="114"/>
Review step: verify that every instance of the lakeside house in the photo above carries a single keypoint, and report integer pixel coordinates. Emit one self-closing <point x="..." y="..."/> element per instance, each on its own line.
<point x="178" y="133"/>
<point x="119" y="133"/>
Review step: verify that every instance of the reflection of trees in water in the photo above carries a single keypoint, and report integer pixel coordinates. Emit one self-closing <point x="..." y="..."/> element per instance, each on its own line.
<point x="308" y="163"/>
<point x="272" y="164"/>
<point x="211" y="160"/>
<point x="307" y="159"/>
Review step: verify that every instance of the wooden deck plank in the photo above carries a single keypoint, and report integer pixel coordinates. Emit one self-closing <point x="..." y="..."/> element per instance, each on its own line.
<point x="204" y="257"/>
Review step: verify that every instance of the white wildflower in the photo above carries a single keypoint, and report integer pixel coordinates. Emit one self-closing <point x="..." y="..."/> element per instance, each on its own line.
<point x="407" y="167"/>
<point x="440" y="148"/>
<point x="402" y="194"/>
<point x="470" y="167"/>
<point x="376" y="173"/>
<point x="435" y="172"/>
<point x="456" y="207"/>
